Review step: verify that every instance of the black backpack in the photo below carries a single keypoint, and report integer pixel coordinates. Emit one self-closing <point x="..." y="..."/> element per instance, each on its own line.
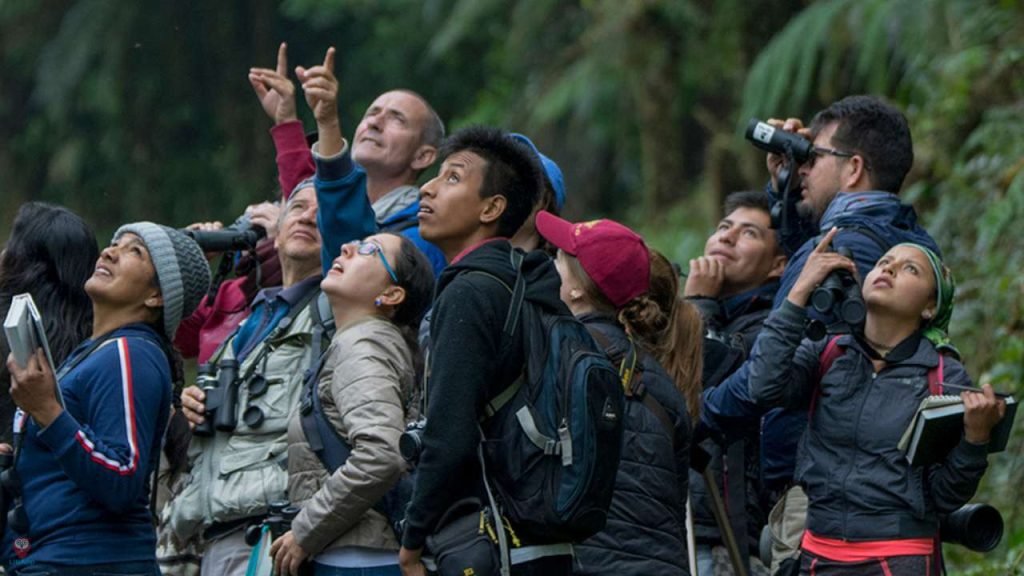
<point x="552" y="439"/>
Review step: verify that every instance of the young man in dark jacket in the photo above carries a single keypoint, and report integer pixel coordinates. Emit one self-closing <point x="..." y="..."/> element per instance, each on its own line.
<point x="485" y="190"/>
<point x="733" y="286"/>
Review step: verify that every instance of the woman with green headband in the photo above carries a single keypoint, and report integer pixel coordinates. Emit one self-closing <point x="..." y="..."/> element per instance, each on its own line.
<point x="869" y="511"/>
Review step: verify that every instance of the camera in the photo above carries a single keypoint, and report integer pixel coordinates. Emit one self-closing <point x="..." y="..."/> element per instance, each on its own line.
<point x="278" y="521"/>
<point x="839" y="294"/>
<point x="410" y="443"/>
<point x="977" y="527"/>
<point x="221" y="387"/>
<point x="241" y="235"/>
<point x="778" y="141"/>
<point x="796" y="150"/>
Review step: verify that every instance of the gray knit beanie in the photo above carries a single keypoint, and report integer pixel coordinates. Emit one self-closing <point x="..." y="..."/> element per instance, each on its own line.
<point x="181" y="269"/>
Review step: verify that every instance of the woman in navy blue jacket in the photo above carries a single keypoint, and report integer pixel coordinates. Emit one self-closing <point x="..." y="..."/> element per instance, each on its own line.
<point x="627" y="296"/>
<point x="87" y="440"/>
<point x="870" y="511"/>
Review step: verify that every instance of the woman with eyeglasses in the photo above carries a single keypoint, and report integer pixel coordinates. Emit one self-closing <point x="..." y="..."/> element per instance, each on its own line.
<point x="379" y="289"/>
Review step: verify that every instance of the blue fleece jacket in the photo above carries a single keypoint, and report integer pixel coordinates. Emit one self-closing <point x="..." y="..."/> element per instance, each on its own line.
<point x="85" y="477"/>
<point x="345" y="212"/>
<point x="870" y="223"/>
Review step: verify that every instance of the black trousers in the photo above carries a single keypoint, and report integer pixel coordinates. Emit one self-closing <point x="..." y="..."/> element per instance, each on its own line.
<point x="811" y="565"/>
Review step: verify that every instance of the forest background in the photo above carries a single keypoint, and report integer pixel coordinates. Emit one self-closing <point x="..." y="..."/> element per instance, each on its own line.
<point x="141" y="110"/>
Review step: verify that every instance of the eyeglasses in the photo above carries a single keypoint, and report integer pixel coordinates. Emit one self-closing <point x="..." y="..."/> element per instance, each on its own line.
<point x="817" y="151"/>
<point x="364" y="248"/>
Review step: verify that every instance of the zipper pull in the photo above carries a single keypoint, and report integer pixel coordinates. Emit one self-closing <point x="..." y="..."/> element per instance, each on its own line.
<point x="565" y="443"/>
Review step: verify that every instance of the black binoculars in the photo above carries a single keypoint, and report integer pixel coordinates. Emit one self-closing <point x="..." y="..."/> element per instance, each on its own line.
<point x="221" y="387"/>
<point x="238" y="236"/>
<point x="839" y="295"/>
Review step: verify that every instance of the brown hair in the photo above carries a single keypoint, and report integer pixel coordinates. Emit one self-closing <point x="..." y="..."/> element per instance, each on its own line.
<point x="670" y="328"/>
<point x="663" y="323"/>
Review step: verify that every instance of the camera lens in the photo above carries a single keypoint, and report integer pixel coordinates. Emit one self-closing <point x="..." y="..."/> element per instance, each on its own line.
<point x="977" y="527"/>
<point x="409" y="445"/>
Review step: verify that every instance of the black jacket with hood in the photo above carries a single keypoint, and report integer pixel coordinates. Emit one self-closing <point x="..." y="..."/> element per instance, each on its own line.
<point x="470" y="363"/>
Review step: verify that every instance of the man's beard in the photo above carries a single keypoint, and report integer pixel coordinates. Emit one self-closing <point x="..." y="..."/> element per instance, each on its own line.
<point x="806" y="212"/>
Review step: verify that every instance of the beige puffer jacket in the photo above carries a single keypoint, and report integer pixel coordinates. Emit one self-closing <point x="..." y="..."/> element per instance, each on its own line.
<point x="366" y="378"/>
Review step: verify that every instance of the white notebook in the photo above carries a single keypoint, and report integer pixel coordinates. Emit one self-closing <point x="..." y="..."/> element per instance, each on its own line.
<point x="25" y="333"/>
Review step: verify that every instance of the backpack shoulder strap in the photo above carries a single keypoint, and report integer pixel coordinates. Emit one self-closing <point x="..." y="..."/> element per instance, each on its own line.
<point x="627" y="361"/>
<point x="935" y="376"/>
<point x="828" y="356"/>
<point x="323" y="439"/>
<point x="518" y="292"/>
<point x="631" y="374"/>
<point x="323" y="323"/>
<point x="509" y="329"/>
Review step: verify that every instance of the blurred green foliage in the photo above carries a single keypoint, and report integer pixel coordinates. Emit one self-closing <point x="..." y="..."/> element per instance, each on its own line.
<point x="124" y="110"/>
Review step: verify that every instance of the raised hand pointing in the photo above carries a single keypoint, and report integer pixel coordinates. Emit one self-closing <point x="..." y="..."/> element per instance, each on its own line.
<point x="321" y="89"/>
<point x="273" y="88"/>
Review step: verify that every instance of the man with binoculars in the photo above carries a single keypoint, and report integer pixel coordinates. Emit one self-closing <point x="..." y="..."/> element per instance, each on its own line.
<point x="246" y="395"/>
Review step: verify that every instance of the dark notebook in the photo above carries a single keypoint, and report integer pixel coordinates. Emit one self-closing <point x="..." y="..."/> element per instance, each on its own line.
<point x="938" y="426"/>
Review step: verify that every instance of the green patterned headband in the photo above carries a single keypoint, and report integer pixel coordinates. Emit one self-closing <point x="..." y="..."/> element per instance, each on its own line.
<point x="936" y="330"/>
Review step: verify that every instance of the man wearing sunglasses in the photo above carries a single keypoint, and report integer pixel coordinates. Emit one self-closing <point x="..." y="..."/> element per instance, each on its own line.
<point x="862" y="153"/>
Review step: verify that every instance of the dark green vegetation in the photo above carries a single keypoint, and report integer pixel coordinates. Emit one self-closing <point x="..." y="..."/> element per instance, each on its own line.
<point x="127" y="110"/>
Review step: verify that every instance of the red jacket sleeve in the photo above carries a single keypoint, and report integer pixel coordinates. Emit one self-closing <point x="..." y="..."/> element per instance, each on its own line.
<point x="294" y="159"/>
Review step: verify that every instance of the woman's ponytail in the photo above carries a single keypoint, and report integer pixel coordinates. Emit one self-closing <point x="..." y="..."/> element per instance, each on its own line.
<point x="670" y="328"/>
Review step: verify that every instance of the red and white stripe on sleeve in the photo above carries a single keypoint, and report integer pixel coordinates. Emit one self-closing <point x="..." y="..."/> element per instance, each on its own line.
<point x="128" y="400"/>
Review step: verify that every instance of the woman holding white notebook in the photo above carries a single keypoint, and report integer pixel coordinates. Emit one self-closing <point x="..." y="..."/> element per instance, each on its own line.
<point x="80" y="481"/>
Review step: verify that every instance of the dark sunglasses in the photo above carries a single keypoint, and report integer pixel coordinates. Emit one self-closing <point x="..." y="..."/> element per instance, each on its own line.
<point x="818" y="151"/>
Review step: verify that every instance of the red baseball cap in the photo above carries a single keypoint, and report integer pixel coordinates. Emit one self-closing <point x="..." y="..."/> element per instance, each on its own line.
<point x="614" y="257"/>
